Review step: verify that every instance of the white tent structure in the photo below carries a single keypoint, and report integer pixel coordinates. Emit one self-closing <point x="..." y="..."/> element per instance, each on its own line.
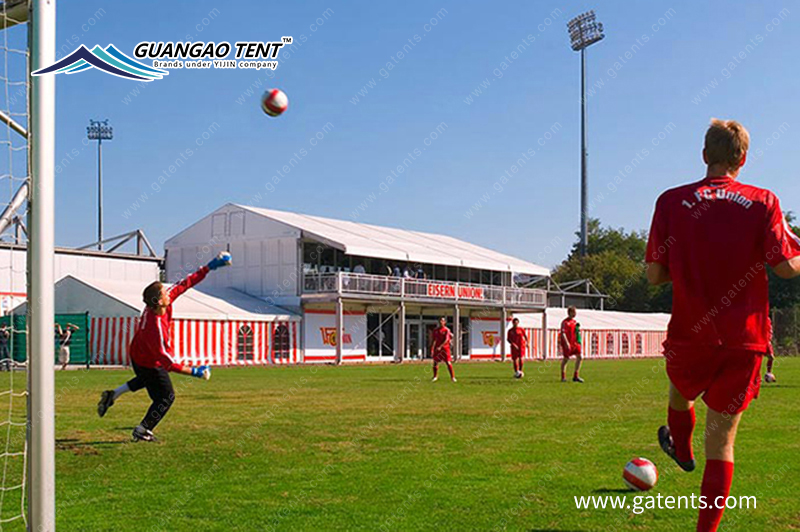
<point x="338" y="275"/>
<point x="399" y="244"/>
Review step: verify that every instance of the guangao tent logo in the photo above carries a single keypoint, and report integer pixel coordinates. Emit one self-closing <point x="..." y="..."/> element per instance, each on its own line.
<point x="108" y="59"/>
<point x="255" y="55"/>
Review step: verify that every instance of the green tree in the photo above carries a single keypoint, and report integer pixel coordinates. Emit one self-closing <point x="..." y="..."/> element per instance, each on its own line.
<point x="615" y="264"/>
<point x="784" y="293"/>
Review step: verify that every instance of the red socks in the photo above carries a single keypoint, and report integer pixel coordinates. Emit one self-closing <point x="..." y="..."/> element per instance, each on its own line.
<point x="450" y="369"/>
<point x="681" y="425"/>
<point x="717" y="480"/>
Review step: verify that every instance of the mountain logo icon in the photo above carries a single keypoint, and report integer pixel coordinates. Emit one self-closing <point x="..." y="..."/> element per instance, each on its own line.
<point x="108" y="59"/>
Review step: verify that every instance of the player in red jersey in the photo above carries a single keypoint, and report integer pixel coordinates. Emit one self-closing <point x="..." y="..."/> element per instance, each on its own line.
<point x="151" y="352"/>
<point x="519" y="342"/>
<point x="440" y="349"/>
<point x="711" y="239"/>
<point x="570" y="339"/>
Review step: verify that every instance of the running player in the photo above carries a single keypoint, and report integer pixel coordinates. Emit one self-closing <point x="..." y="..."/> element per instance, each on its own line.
<point x="440" y="349"/>
<point x="711" y="239"/>
<point x="570" y="338"/>
<point x="519" y="342"/>
<point x="151" y="352"/>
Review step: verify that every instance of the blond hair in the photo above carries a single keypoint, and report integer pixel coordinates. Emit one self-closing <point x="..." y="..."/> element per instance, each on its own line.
<point x="727" y="142"/>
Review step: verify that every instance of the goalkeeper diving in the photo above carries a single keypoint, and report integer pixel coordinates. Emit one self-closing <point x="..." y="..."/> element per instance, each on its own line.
<point x="151" y="352"/>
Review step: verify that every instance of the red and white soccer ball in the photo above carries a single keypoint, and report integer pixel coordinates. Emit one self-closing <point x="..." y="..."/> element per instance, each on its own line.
<point x="640" y="474"/>
<point x="274" y="102"/>
<point x="769" y="377"/>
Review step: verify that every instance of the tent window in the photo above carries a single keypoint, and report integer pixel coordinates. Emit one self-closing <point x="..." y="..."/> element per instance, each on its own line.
<point x="638" y="344"/>
<point x="595" y="344"/>
<point x="625" y="344"/>
<point x="609" y="344"/>
<point x="280" y="342"/>
<point x="244" y="343"/>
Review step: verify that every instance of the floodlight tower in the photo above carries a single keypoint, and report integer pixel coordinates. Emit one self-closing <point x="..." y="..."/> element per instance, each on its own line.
<point x="99" y="131"/>
<point x="584" y="31"/>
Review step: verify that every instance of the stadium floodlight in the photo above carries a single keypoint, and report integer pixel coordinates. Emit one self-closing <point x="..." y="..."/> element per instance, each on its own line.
<point x="99" y="131"/>
<point x="584" y="31"/>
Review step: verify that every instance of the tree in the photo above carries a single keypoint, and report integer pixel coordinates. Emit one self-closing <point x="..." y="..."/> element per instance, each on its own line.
<point x="615" y="264"/>
<point x="784" y="293"/>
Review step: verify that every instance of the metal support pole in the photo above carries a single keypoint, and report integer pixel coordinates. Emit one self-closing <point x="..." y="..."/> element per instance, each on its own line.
<point x="584" y="181"/>
<point x="503" y="319"/>
<point x="41" y="227"/>
<point x="100" y="194"/>
<point x="544" y="334"/>
<point x="400" y="352"/>
<point x="339" y="329"/>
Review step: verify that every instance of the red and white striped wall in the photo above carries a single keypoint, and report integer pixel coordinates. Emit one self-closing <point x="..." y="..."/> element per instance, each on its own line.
<point x="486" y="334"/>
<point x="196" y="342"/>
<point x="109" y="339"/>
<point x="602" y="343"/>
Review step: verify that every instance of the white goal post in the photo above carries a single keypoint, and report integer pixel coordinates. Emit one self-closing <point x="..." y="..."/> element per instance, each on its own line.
<point x="40" y="16"/>
<point x="41" y="242"/>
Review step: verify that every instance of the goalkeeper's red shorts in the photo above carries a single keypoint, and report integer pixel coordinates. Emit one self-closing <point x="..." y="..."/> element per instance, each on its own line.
<point x="728" y="379"/>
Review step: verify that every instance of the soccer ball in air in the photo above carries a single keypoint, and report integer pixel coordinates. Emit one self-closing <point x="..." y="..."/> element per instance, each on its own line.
<point x="769" y="377"/>
<point x="274" y="102"/>
<point x="640" y="474"/>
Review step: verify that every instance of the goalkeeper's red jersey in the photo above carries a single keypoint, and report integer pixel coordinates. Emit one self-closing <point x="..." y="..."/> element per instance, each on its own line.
<point x="714" y="236"/>
<point x="151" y="346"/>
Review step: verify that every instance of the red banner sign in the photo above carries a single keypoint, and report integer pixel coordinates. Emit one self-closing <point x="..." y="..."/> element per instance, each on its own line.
<point x="449" y="291"/>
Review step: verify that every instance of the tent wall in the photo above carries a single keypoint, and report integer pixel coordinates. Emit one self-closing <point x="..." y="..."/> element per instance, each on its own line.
<point x="197" y="342"/>
<point x="603" y="343"/>
<point x="485" y="338"/>
<point x="320" y="334"/>
<point x="110" y="339"/>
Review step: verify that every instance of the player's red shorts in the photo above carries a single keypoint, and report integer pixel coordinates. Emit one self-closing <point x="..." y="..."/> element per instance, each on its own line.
<point x="728" y="379"/>
<point x="442" y="355"/>
<point x="567" y="352"/>
<point x="516" y="356"/>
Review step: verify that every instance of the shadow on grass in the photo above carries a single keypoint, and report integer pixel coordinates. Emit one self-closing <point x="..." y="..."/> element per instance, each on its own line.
<point x="609" y="490"/>
<point x="72" y="443"/>
<point x="551" y="530"/>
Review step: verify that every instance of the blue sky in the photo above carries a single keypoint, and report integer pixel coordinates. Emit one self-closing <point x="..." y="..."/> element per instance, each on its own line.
<point x="686" y="62"/>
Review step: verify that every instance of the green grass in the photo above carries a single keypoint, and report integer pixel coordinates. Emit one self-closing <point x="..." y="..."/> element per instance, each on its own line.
<point x="381" y="448"/>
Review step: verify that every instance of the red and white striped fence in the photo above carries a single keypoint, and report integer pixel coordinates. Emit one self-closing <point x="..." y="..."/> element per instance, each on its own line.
<point x="195" y="342"/>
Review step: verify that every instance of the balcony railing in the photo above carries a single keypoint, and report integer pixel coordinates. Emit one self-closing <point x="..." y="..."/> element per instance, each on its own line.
<point x="345" y="283"/>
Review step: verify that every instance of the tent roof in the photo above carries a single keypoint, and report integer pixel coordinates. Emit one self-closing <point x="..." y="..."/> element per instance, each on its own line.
<point x="599" y="320"/>
<point x="196" y="303"/>
<point x="399" y="244"/>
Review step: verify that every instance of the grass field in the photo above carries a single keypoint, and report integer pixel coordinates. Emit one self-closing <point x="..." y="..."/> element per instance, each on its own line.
<point x="381" y="448"/>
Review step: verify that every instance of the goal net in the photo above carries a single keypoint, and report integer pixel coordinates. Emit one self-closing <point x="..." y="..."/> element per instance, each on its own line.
<point x="13" y="333"/>
<point x="27" y="437"/>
